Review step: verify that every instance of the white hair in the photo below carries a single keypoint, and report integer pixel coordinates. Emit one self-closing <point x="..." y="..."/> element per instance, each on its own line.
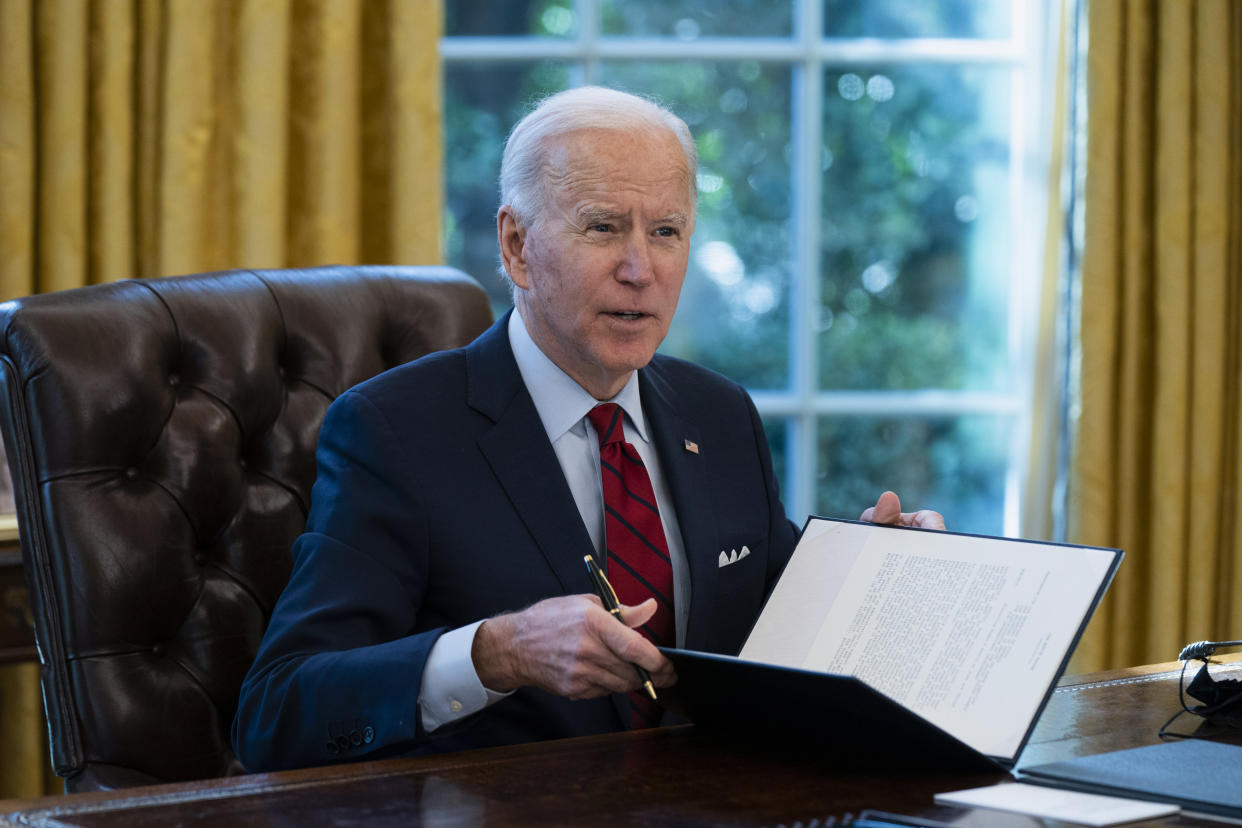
<point x="523" y="184"/>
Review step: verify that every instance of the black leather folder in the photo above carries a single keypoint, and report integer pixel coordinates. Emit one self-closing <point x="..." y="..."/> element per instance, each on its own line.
<point x="764" y="700"/>
<point x="841" y="718"/>
<point x="1200" y="776"/>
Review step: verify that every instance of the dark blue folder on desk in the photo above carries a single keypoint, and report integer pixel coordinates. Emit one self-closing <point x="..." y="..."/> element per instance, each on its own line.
<point x="1200" y="776"/>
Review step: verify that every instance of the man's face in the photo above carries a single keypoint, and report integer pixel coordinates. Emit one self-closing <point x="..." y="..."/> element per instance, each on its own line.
<point x="599" y="273"/>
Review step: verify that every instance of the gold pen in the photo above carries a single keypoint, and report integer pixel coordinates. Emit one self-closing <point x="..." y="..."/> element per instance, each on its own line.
<point x="606" y="594"/>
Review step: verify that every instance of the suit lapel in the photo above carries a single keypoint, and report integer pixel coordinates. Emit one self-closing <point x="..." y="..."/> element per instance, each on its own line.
<point x="521" y="457"/>
<point x="689" y="486"/>
<point x="518" y="451"/>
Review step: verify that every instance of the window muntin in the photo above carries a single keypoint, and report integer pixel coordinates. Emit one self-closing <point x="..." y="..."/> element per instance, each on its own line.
<point x="940" y="361"/>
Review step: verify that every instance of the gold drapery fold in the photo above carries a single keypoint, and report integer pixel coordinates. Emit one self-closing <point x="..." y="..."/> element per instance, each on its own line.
<point x="158" y="137"/>
<point x="26" y="764"/>
<point x="17" y="170"/>
<point x="155" y="137"/>
<point x="1157" y="466"/>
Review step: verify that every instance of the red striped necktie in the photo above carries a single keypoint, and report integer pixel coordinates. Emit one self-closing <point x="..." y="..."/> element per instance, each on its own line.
<point x="639" y="566"/>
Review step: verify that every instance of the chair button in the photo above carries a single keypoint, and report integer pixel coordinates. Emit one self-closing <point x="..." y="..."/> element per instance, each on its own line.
<point x="158" y="651"/>
<point x="131" y="473"/>
<point x="355" y="738"/>
<point x="200" y="558"/>
<point x="333" y="749"/>
<point x="368" y="734"/>
<point x="242" y="462"/>
<point x="174" y="380"/>
<point x="342" y="742"/>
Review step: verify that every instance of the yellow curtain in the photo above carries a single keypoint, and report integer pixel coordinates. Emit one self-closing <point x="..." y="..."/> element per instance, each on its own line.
<point x="1158" y="461"/>
<point x="157" y="137"/>
<point x="1038" y="519"/>
<point x="160" y="137"/>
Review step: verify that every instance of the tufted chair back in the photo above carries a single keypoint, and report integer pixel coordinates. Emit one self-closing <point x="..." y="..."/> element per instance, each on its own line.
<point x="161" y="435"/>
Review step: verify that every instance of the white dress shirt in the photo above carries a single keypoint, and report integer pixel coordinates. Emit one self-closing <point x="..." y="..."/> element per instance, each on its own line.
<point x="450" y="688"/>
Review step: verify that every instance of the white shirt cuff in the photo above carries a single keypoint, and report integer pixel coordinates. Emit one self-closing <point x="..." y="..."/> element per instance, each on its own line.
<point x="450" y="689"/>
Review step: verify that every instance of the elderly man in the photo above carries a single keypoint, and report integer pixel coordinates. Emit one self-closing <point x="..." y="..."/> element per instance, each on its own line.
<point x="439" y="599"/>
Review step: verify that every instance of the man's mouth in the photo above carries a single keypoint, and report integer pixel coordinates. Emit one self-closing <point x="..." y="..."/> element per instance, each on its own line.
<point x="629" y="316"/>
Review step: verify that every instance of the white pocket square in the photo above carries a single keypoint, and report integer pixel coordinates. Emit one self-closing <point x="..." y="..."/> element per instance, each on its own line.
<point x="732" y="556"/>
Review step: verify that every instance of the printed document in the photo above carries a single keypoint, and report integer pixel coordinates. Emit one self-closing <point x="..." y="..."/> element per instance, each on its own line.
<point x="966" y="631"/>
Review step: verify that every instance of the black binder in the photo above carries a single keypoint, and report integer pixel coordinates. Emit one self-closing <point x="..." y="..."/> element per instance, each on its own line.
<point x="841" y="717"/>
<point x="1198" y="775"/>
<point x="841" y="714"/>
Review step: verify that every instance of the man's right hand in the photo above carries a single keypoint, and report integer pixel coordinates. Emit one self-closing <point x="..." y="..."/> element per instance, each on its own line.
<point x="570" y="646"/>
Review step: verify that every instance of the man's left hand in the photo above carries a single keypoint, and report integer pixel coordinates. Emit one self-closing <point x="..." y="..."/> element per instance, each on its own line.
<point x="888" y="510"/>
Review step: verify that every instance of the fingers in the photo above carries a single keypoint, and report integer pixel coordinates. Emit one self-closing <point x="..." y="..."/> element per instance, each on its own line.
<point x="887" y="510"/>
<point x="638" y="614"/>
<point x="570" y="646"/>
<point x="628" y="648"/>
<point x="632" y="646"/>
<point x="642" y="652"/>
<point x="926" y="519"/>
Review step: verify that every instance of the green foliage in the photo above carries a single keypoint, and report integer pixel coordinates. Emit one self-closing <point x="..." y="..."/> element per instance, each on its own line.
<point x="914" y="218"/>
<point x="735" y="322"/>
<point x="953" y="464"/>
<point x="917" y="18"/>
<point x="903" y="157"/>
<point x="481" y="103"/>
<point x="688" y="19"/>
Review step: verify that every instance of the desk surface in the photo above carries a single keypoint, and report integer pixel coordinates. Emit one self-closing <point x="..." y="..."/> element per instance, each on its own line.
<point x="672" y="776"/>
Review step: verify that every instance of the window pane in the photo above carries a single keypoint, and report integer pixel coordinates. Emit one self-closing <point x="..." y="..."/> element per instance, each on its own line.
<point x="734" y="313"/>
<point x="915" y="232"/>
<point x="955" y="465"/>
<point x="479" y="18"/>
<point x="776" y="429"/>
<point x="697" y="18"/>
<point x="918" y="18"/>
<point x="481" y="104"/>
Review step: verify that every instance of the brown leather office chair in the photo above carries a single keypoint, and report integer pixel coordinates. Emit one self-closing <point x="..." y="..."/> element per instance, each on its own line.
<point x="161" y="435"/>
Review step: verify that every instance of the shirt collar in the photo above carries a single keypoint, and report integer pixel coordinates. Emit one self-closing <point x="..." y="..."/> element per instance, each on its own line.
<point x="560" y="401"/>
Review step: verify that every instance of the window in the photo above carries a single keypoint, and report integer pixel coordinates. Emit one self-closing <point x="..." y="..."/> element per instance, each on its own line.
<point x="870" y="216"/>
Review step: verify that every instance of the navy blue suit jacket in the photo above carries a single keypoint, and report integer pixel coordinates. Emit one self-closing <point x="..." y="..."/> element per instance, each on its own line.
<point x="439" y="501"/>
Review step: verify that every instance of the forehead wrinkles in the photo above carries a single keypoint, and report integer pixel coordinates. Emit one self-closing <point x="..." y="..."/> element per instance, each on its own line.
<point x="586" y="176"/>
<point x="576" y="170"/>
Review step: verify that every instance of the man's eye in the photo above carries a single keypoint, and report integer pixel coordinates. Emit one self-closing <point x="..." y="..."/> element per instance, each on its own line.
<point x="667" y="232"/>
<point x="601" y="228"/>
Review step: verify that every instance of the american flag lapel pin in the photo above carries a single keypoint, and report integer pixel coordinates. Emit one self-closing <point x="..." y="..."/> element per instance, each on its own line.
<point x="691" y="446"/>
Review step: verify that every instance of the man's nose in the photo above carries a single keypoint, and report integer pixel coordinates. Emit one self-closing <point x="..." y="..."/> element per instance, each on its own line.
<point x="635" y="265"/>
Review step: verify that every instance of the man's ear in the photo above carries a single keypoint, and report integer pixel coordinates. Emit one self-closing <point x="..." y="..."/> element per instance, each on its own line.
<point x="511" y="234"/>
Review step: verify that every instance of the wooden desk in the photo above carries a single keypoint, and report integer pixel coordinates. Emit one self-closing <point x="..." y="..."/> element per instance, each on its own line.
<point x="673" y="776"/>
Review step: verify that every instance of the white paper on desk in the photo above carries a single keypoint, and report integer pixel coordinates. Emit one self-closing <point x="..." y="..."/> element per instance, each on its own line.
<point x="1051" y="803"/>
<point x="967" y="631"/>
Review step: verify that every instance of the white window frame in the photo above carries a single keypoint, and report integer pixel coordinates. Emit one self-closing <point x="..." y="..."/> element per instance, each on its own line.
<point x="809" y="54"/>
